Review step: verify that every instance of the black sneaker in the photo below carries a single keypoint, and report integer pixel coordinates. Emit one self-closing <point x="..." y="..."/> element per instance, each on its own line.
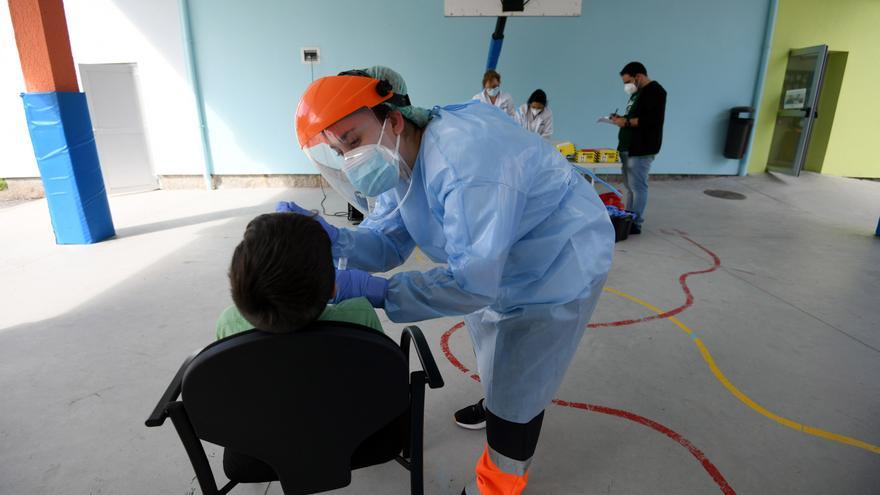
<point x="635" y="229"/>
<point x="472" y="417"/>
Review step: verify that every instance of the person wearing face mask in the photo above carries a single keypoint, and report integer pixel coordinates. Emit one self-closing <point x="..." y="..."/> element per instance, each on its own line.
<point x="640" y="136"/>
<point x="535" y="116"/>
<point x="493" y="95"/>
<point x="524" y="249"/>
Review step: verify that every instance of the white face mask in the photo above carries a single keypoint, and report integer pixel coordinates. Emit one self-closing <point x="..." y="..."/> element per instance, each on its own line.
<point x="630" y="88"/>
<point x="535" y="111"/>
<point x="493" y="92"/>
<point x="373" y="168"/>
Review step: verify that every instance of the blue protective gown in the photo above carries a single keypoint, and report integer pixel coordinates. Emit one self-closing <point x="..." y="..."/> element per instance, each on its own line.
<point x="526" y="242"/>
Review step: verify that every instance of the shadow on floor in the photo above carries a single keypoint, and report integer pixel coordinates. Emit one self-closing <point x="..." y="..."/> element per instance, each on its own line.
<point x="175" y="223"/>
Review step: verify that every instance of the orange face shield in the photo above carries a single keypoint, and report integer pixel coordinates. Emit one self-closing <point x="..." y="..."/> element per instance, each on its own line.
<point x="330" y="99"/>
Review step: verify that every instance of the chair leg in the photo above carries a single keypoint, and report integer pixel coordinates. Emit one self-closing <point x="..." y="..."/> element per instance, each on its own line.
<point x="194" y="448"/>
<point x="418" y="380"/>
<point x="406" y="453"/>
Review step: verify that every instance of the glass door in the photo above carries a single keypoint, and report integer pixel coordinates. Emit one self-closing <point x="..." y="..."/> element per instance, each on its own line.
<point x="797" y="109"/>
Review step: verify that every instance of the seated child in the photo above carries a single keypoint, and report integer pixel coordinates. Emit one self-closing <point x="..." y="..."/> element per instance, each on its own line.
<point x="282" y="276"/>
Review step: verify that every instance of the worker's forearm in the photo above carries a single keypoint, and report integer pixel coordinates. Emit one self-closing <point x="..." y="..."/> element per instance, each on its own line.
<point x="417" y="296"/>
<point x="373" y="251"/>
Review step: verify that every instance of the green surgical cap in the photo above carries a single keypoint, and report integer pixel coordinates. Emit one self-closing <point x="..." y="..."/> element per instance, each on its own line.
<point x="417" y="115"/>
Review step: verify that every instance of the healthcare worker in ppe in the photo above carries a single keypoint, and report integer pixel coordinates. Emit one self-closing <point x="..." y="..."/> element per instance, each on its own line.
<point x="526" y="242"/>
<point x="492" y="94"/>
<point x="536" y="116"/>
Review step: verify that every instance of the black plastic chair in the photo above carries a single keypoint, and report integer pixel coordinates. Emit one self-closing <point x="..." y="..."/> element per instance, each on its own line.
<point x="304" y="408"/>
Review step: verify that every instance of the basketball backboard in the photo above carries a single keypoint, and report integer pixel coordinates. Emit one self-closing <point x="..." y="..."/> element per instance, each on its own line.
<point x="496" y="8"/>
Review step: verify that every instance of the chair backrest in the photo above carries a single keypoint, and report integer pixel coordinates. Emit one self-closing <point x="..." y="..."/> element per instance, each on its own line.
<point x="300" y="402"/>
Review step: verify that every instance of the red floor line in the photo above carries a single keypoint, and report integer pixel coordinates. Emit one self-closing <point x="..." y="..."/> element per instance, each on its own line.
<point x="710" y="468"/>
<point x="444" y="344"/>
<point x="682" y="281"/>
<point x="698" y="454"/>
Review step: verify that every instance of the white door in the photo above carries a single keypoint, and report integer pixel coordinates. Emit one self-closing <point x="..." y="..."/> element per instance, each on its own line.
<point x="114" y="105"/>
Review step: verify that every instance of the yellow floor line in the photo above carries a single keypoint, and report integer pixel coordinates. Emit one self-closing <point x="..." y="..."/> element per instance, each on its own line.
<point x="745" y="399"/>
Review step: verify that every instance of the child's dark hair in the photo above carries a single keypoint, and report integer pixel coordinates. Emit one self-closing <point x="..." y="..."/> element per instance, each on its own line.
<point x="282" y="272"/>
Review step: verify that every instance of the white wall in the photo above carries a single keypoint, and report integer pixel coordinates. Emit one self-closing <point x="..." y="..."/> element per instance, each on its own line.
<point x="16" y="153"/>
<point x="149" y="34"/>
<point x="111" y="31"/>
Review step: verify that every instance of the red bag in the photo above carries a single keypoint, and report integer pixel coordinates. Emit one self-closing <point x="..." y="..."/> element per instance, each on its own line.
<point x="611" y="199"/>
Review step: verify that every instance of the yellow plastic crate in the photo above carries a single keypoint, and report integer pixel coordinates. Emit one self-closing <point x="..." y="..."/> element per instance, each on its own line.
<point x="586" y="156"/>
<point x="567" y="148"/>
<point x="608" y="156"/>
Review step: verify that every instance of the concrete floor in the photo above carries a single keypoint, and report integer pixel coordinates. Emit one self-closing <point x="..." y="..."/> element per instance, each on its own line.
<point x="90" y="336"/>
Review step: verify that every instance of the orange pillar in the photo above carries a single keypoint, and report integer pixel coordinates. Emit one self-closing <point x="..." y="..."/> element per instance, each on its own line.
<point x="43" y="45"/>
<point x="59" y="124"/>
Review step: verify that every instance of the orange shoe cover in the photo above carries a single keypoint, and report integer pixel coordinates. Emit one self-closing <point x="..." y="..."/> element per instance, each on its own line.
<point x="510" y="478"/>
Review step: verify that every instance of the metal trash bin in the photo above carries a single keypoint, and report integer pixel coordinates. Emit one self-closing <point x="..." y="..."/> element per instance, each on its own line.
<point x="738" y="130"/>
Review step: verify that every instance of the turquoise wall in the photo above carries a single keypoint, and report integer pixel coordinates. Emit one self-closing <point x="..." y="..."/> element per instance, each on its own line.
<point x="705" y="53"/>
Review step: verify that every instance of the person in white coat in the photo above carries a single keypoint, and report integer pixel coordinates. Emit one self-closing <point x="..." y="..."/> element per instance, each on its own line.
<point x="493" y="95"/>
<point x="535" y="116"/>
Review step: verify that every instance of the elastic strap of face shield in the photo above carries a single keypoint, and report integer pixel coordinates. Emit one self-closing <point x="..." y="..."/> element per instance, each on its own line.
<point x="383" y="88"/>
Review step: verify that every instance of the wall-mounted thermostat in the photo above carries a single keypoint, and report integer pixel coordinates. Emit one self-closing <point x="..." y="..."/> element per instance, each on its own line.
<point x="311" y="55"/>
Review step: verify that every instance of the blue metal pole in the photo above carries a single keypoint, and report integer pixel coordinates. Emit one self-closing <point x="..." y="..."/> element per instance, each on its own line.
<point x="495" y="44"/>
<point x="494" y="53"/>
<point x="190" y="55"/>
<point x="759" y="82"/>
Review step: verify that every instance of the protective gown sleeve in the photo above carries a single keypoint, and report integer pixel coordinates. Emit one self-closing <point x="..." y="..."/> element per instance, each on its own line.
<point x="480" y="225"/>
<point x="380" y="243"/>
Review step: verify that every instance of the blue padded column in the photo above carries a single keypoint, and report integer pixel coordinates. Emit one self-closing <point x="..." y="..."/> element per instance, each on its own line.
<point x="61" y="132"/>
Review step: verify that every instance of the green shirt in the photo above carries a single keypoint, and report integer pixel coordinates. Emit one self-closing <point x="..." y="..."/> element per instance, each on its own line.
<point x="624" y="135"/>
<point x="357" y="310"/>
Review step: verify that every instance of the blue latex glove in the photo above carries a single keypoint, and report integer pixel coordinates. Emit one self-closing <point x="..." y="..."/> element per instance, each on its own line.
<point x="290" y="206"/>
<point x="356" y="283"/>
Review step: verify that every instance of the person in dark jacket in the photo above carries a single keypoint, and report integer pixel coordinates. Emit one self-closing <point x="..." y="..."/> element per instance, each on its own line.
<point x="640" y="136"/>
